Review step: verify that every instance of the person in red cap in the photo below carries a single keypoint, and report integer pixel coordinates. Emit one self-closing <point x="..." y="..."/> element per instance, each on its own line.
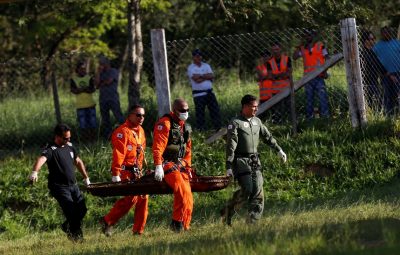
<point x="129" y="143"/>
<point x="172" y="154"/>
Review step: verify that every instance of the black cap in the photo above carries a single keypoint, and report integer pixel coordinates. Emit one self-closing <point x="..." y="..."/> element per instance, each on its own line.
<point x="197" y="52"/>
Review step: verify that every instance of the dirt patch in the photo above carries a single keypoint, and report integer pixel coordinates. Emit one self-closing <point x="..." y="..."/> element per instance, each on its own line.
<point x="18" y="206"/>
<point x="319" y="170"/>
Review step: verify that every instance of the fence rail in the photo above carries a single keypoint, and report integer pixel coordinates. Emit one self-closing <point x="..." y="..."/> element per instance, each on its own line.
<point x="28" y="116"/>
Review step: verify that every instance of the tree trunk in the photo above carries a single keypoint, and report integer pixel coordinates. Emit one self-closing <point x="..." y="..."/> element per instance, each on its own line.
<point x="135" y="52"/>
<point x="123" y="58"/>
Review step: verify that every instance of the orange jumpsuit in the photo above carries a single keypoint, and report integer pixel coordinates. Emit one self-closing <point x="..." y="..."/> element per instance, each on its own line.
<point x="128" y="146"/>
<point x="174" y="164"/>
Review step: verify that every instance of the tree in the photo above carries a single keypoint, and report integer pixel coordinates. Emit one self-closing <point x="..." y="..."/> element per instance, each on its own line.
<point x="135" y="51"/>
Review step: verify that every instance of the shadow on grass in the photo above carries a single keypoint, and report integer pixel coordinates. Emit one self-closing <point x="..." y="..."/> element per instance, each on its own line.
<point x="347" y="238"/>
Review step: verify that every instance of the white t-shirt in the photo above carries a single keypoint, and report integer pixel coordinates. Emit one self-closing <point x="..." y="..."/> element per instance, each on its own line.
<point x="204" y="68"/>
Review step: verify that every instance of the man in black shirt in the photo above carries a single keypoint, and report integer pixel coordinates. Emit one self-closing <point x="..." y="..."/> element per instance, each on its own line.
<point x="61" y="158"/>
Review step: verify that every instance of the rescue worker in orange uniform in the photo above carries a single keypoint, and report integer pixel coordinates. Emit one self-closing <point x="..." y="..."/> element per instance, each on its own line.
<point x="128" y="142"/>
<point x="314" y="54"/>
<point x="172" y="154"/>
<point x="279" y="69"/>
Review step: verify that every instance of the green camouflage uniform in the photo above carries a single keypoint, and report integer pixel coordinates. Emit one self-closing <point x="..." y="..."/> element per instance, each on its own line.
<point x="242" y="157"/>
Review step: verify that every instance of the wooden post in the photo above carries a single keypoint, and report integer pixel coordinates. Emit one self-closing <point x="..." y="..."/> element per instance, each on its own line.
<point x="353" y="72"/>
<point x="159" y="50"/>
<point x="56" y="98"/>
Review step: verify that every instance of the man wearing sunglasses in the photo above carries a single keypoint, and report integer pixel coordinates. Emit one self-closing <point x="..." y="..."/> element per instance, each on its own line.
<point x="61" y="157"/>
<point x="172" y="154"/>
<point x="243" y="162"/>
<point x="128" y="142"/>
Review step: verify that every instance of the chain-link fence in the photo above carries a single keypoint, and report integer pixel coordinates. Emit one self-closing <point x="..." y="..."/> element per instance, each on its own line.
<point x="28" y="115"/>
<point x="234" y="59"/>
<point x="380" y="68"/>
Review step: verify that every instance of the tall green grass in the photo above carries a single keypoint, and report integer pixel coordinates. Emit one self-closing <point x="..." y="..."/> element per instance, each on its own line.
<point x="327" y="198"/>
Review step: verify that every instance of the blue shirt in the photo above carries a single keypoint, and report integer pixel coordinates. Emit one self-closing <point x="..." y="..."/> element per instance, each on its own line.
<point x="388" y="52"/>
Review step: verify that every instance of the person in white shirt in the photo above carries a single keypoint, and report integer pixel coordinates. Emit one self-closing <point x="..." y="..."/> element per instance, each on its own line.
<point x="201" y="77"/>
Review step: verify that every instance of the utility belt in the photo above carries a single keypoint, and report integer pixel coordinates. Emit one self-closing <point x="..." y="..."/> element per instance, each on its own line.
<point x="133" y="169"/>
<point x="252" y="156"/>
<point x="175" y="168"/>
<point x="178" y="166"/>
<point x="201" y="91"/>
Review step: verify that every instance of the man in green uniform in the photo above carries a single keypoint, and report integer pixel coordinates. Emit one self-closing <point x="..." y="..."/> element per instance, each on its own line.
<point x="242" y="160"/>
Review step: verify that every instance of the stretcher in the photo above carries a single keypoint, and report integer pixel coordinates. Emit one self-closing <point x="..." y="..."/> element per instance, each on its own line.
<point x="147" y="185"/>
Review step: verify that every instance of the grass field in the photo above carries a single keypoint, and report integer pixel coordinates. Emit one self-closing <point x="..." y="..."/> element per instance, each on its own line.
<point x="358" y="222"/>
<point x="337" y="194"/>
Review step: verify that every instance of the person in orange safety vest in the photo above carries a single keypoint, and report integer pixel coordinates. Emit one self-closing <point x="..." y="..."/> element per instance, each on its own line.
<point x="128" y="142"/>
<point x="279" y="69"/>
<point x="314" y="54"/>
<point x="264" y="84"/>
<point x="172" y="154"/>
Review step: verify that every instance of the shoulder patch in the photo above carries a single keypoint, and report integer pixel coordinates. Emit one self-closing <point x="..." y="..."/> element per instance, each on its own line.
<point x="246" y="124"/>
<point x="120" y="135"/>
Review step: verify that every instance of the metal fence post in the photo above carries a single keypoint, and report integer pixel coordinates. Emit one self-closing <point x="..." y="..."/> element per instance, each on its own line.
<point x="353" y="72"/>
<point x="159" y="50"/>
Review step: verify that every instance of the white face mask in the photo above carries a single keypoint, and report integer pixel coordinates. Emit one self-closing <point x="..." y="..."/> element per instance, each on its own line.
<point x="183" y="116"/>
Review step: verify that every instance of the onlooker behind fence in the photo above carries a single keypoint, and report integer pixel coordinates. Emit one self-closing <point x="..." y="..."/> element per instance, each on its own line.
<point x="388" y="52"/>
<point x="82" y="85"/>
<point x="201" y="77"/>
<point x="372" y="70"/>
<point x="264" y="84"/>
<point x="279" y="70"/>
<point x="314" y="54"/>
<point x="106" y="81"/>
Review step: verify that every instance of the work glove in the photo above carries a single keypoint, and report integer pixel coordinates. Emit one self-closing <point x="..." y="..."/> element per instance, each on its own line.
<point x="282" y="155"/>
<point x="116" y="178"/>
<point x="33" y="176"/>
<point x="159" y="173"/>
<point x="86" y="181"/>
<point x="229" y="172"/>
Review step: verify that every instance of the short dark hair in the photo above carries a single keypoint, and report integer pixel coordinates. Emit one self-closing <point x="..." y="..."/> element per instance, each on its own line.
<point x="80" y="64"/>
<point x="134" y="107"/>
<point x="365" y="35"/>
<point x="247" y="99"/>
<point x="265" y="53"/>
<point x="61" y="128"/>
<point x="276" y="43"/>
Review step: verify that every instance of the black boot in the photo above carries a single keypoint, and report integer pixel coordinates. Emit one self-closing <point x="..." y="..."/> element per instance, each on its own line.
<point x="176" y="226"/>
<point x="226" y="215"/>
